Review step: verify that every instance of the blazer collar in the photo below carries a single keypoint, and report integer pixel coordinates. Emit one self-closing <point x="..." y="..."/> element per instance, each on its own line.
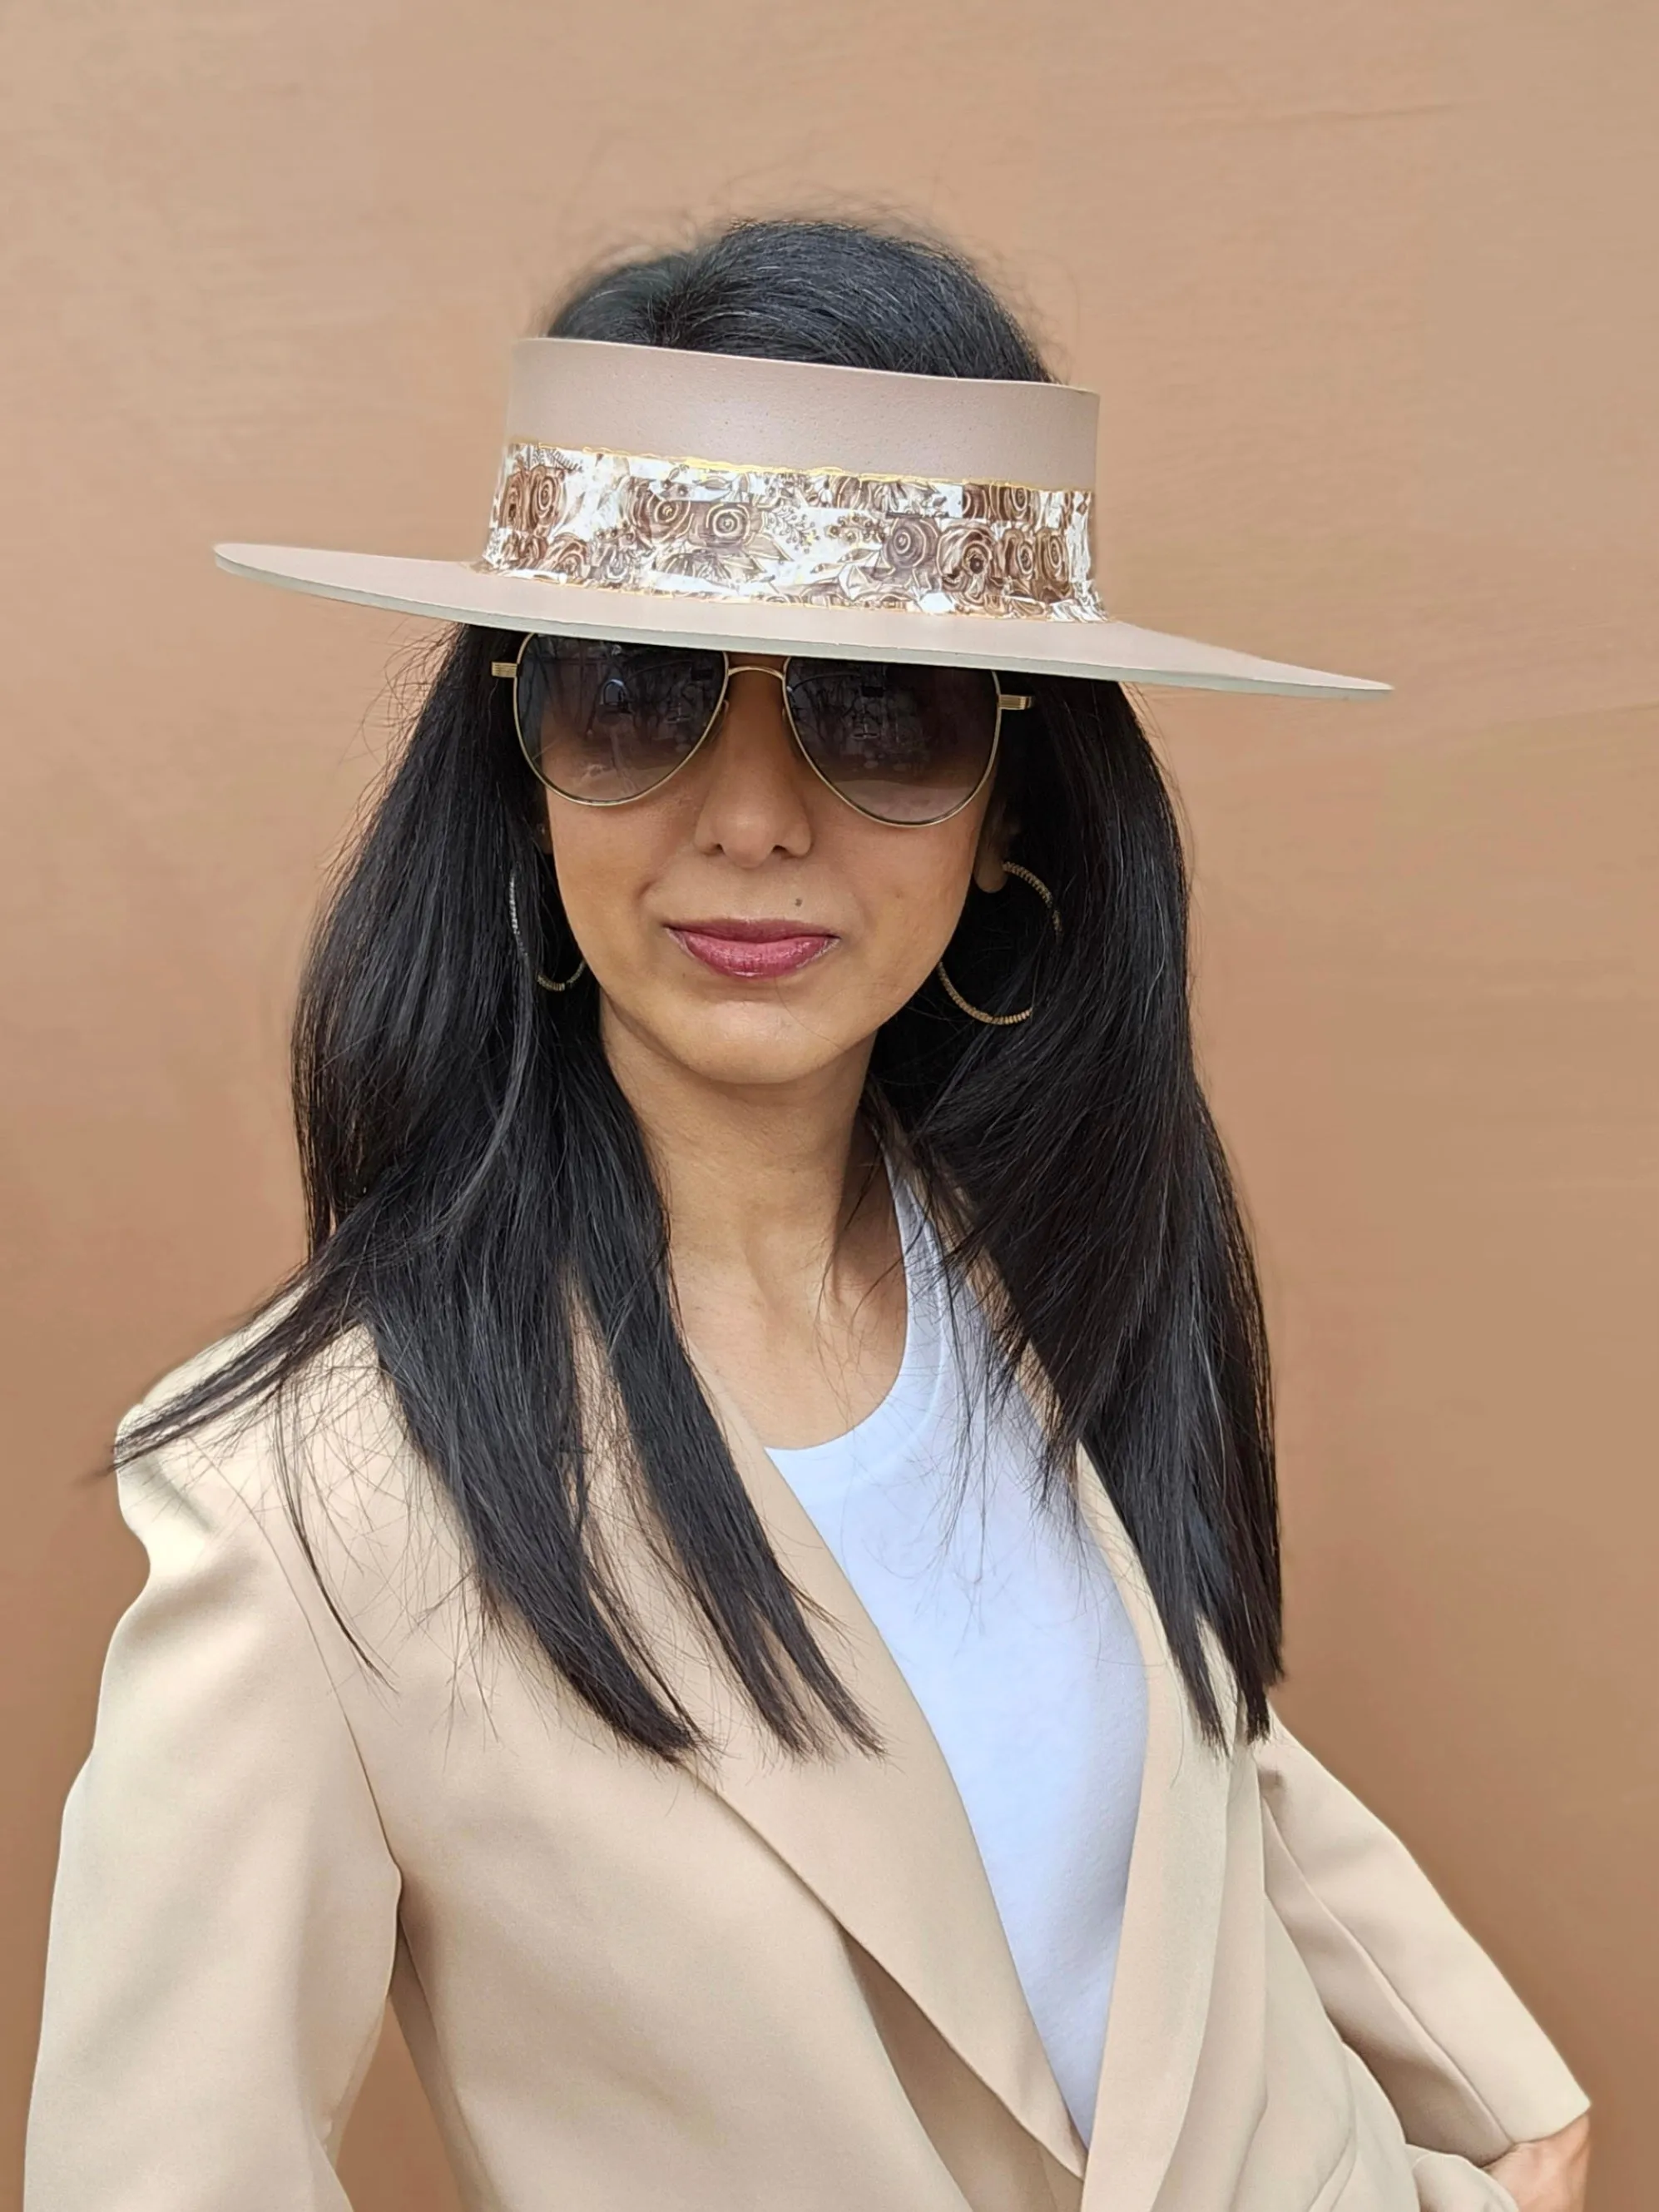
<point x="886" y="1846"/>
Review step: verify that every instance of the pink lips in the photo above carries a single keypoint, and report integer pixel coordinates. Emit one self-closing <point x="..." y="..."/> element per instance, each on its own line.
<point x="753" y="950"/>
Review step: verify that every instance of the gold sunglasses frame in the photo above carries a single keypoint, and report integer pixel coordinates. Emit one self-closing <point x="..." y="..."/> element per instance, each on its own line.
<point x="1008" y="702"/>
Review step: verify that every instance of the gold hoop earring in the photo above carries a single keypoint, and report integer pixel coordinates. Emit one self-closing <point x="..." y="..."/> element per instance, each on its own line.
<point x="546" y="982"/>
<point x="979" y="1014"/>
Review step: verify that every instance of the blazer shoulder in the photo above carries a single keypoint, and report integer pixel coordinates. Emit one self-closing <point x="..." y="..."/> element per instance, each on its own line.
<point x="325" y="1465"/>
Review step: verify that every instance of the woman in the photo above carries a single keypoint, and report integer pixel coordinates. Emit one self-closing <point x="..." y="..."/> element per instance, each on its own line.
<point x="740" y="1580"/>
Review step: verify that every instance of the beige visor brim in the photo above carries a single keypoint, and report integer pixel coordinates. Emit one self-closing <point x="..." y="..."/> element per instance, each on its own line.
<point x="455" y="591"/>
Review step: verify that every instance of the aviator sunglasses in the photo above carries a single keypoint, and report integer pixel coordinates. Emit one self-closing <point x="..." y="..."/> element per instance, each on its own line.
<point x="602" y="722"/>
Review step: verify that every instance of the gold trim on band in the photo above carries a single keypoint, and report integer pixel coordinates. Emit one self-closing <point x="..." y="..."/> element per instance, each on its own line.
<point x="713" y="530"/>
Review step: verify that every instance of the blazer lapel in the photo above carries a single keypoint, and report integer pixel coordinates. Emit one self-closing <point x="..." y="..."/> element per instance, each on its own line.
<point x="885" y="1844"/>
<point x="1166" y="1956"/>
<point x="886" y="1847"/>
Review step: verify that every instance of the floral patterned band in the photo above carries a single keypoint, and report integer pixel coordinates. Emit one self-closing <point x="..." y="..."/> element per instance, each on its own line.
<point x="801" y="536"/>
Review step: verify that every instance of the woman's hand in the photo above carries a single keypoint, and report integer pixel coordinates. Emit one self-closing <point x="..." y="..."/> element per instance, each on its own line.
<point x="1548" y="2175"/>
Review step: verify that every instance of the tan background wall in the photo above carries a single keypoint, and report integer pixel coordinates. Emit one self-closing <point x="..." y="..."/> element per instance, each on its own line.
<point x="1368" y="293"/>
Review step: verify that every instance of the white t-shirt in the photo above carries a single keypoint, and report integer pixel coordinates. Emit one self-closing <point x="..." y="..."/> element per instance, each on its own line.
<point x="1009" y="1629"/>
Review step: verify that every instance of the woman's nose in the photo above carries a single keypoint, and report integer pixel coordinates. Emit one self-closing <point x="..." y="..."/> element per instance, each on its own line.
<point x="753" y="802"/>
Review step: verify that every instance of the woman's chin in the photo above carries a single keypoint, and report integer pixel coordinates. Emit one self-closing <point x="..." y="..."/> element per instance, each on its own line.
<point x="754" y="1040"/>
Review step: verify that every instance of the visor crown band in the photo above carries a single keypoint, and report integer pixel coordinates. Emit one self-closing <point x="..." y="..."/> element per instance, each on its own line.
<point x="820" y="537"/>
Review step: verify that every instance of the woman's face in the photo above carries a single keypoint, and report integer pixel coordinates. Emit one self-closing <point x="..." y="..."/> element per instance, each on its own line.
<point x="745" y="921"/>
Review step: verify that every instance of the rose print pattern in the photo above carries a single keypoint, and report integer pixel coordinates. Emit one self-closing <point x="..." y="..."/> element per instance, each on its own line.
<point x="656" y="511"/>
<point x="968" y="563"/>
<point x="795" y="537"/>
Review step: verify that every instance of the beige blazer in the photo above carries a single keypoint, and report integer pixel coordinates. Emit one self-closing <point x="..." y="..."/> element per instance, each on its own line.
<point x="765" y="1987"/>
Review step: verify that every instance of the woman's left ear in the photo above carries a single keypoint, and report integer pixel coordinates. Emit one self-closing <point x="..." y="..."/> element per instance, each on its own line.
<point x="996" y="833"/>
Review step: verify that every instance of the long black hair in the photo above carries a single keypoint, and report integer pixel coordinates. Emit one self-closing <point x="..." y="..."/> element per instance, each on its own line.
<point x="479" y="1190"/>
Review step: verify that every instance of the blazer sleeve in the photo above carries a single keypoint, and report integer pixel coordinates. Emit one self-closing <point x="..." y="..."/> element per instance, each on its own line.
<point x="224" y="1916"/>
<point x="1464" y="2064"/>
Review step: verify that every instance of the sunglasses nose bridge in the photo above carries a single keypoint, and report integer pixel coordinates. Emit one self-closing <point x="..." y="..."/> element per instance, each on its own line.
<point x="723" y="707"/>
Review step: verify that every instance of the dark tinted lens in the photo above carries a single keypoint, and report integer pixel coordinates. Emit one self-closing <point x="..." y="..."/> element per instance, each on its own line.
<point x="604" y="721"/>
<point x="906" y="744"/>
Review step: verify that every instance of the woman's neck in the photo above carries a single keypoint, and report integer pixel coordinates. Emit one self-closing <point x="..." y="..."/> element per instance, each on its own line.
<point x="783" y="1245"/>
